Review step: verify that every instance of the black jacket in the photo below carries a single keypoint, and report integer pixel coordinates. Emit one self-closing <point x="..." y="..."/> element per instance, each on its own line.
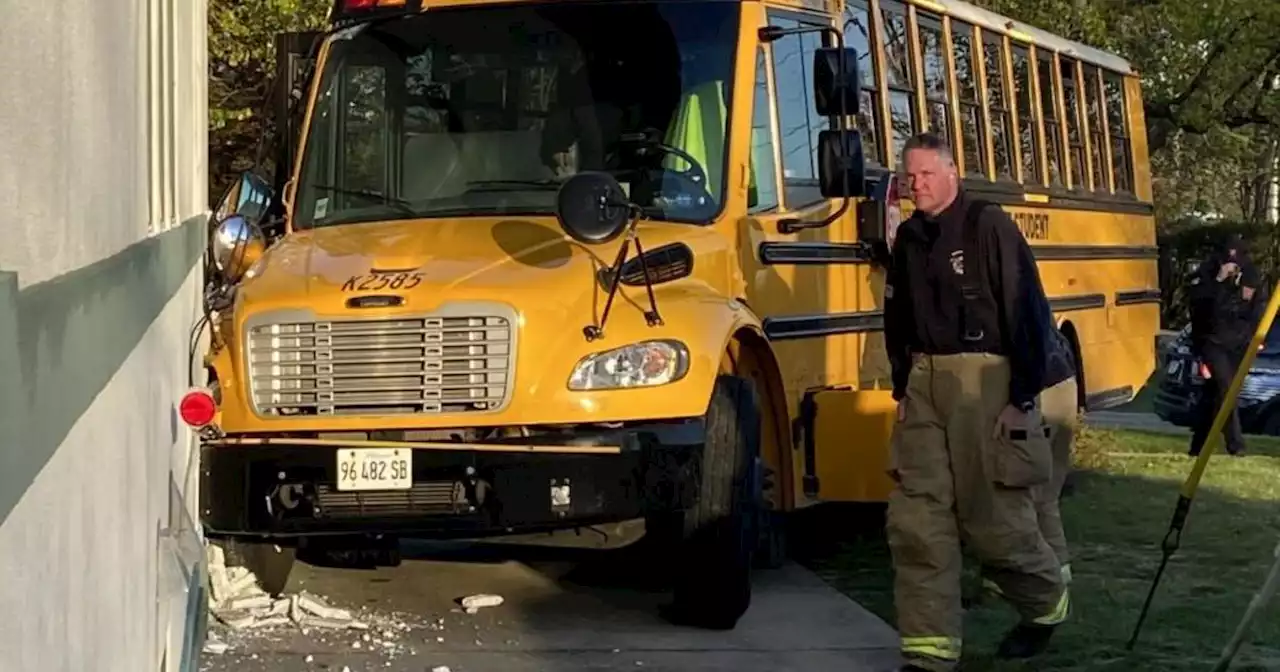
<point x="1220" y="315"/>
<point x="1060" y="364"/>
<point x="923" y="298"/>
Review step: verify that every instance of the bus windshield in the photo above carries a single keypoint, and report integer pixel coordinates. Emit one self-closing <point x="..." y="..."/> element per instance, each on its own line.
<point x="485" y="110"/>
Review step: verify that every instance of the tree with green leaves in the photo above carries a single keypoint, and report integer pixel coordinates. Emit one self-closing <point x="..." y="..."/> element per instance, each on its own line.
<point x="241" y="77"/>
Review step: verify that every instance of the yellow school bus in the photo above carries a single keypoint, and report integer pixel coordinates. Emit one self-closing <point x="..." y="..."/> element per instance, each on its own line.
<point x="539" y="266"/>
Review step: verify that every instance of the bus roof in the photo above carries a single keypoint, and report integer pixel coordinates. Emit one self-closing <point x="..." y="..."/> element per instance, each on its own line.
<point x="986" y="19"/>
<point x="1017" y="30"/>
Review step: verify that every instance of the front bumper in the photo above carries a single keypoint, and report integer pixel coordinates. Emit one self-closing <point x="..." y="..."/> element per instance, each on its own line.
<point x="526" y="484"/>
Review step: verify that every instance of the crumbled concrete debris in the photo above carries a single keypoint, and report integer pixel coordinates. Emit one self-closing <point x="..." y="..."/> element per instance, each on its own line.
<point x="236" y="600"/>
<point x="214" y="645"/>
<point x="474" y="603"/>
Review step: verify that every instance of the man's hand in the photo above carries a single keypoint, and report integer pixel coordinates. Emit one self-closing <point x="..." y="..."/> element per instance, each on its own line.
<point x="1228" y="270"/>
<point x="902" y="410"/>
<point x="1010" y="418"/>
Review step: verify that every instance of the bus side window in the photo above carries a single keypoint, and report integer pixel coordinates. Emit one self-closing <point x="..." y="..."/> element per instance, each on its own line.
<point x="998" y="104"/>
<point x="1118" y="130"/>
<point x="900" y="75"/>
<point x="1027" y="140"/>
<point x="973" y="134"/>
<point x="1075" y="137"/>
<point x="1052" y="117"/>
<point x="798" y="121"/>
<point x="1097" y="136"/>
<point x="857" y="34"/>
<point x="762" y="193"/>
<point x="937" y="83"/>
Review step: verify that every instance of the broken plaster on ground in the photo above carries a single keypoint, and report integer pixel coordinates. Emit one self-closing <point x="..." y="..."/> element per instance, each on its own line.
<point x="242" y="611"/>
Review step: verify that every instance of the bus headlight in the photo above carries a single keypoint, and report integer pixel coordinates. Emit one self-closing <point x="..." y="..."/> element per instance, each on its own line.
<point x="643" y="364"/>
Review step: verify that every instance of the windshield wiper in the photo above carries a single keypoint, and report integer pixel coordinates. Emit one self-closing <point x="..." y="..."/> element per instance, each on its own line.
<point x="514" y="185"/>
<point x="400" y="204"/>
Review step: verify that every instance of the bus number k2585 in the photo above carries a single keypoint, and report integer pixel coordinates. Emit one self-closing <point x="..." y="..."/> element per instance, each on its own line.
<point x="376" y="282"/>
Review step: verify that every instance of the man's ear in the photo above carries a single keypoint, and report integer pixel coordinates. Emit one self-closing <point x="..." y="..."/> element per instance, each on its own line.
<point x="1248" y="293"/>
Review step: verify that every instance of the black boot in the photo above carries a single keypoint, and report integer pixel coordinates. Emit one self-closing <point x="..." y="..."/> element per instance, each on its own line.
<point x="1025" y="641"/>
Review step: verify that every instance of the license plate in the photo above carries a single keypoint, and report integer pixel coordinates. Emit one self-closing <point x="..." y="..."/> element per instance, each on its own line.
<point x="1174" y="367"/>
<point x="375" y="469"/>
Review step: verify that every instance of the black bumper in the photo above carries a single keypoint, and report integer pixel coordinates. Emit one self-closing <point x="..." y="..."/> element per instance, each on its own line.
<point x="286" y="490"/>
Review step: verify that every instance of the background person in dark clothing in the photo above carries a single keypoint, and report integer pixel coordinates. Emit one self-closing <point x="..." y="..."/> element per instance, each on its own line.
<point x="1224" y="315"/>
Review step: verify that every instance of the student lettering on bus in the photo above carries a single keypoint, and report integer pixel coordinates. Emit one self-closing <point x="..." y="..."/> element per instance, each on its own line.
<point x="965" y="330"/>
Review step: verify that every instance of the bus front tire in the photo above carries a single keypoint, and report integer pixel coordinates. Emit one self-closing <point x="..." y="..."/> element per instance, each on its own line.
<point x="713" y="543"/>
<point x="270" y="565"/>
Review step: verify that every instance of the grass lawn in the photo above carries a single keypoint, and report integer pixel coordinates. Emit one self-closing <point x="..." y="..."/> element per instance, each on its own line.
<point x="1119" y="513"/>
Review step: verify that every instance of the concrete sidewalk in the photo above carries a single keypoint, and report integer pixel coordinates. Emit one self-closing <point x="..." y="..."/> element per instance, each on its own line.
<point x="1147" y="422"/>
<point x="549" y="622"/>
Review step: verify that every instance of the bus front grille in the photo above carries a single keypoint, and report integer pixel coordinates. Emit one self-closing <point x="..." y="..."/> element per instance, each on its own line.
<point x="451" y="363"/>
<point x="423" y="499"/>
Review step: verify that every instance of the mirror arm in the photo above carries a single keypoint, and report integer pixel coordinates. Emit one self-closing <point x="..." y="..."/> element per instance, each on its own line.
<point x="794" y="224"/>
<point x="652" y="317"/>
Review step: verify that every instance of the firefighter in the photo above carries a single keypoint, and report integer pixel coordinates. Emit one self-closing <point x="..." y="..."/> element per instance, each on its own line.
<point x="965" y="319"/>
<point x="1224" y="314"/>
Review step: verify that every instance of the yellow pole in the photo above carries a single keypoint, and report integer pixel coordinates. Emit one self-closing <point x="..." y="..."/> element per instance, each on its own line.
<point x="1189" y="487"/>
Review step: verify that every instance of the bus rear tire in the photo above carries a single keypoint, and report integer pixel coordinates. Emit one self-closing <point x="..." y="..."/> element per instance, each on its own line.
<point x="713" y="544"/>
<point x="270" y="564"/>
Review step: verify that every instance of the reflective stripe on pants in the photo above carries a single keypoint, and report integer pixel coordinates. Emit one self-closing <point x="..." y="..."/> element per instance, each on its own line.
<point x="1059" y="613"/>
<point x="942" y="649"/>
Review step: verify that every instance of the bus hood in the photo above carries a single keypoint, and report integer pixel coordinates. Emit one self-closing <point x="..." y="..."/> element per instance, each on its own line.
<point x="525" y="262"/>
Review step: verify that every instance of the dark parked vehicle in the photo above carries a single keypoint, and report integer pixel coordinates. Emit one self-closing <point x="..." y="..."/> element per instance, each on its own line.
<point x="1182" y="382"/>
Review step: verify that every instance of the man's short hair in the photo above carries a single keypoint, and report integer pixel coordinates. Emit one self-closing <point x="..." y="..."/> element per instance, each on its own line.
<point x="931" y="141"/>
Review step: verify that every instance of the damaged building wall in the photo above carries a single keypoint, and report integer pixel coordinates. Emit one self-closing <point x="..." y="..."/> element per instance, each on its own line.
<point x="105" y="191"/>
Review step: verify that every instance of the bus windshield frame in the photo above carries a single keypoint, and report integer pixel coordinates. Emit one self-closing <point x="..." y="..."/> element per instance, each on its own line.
<point x="483" y="111"/>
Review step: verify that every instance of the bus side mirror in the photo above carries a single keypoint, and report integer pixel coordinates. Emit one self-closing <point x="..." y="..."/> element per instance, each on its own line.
<point x="841" y="171"/>
<point x="836" y="93"/>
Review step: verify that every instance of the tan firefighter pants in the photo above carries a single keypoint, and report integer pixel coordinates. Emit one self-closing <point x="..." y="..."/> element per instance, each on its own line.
<point x="1059" y="405"/>
<point x="956" y="481"/>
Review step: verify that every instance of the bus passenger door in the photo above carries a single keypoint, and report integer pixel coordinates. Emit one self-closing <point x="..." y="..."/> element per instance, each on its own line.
<point x="810" y="287"/>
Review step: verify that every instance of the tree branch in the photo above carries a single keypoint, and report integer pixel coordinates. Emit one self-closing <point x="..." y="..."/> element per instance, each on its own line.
<point x="1267" y="69"/>
<point x="1214" y="54"/>
<point x="1166" y="109"/>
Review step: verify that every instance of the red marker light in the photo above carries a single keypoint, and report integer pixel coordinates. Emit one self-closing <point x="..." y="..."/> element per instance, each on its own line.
<point x="197" y="408"/>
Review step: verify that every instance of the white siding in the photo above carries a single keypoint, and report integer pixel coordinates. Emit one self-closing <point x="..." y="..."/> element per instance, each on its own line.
<point x="104" y="143"/>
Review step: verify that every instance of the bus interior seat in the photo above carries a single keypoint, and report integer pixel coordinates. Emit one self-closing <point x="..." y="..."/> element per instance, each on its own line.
<point x="441" y="165"/>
